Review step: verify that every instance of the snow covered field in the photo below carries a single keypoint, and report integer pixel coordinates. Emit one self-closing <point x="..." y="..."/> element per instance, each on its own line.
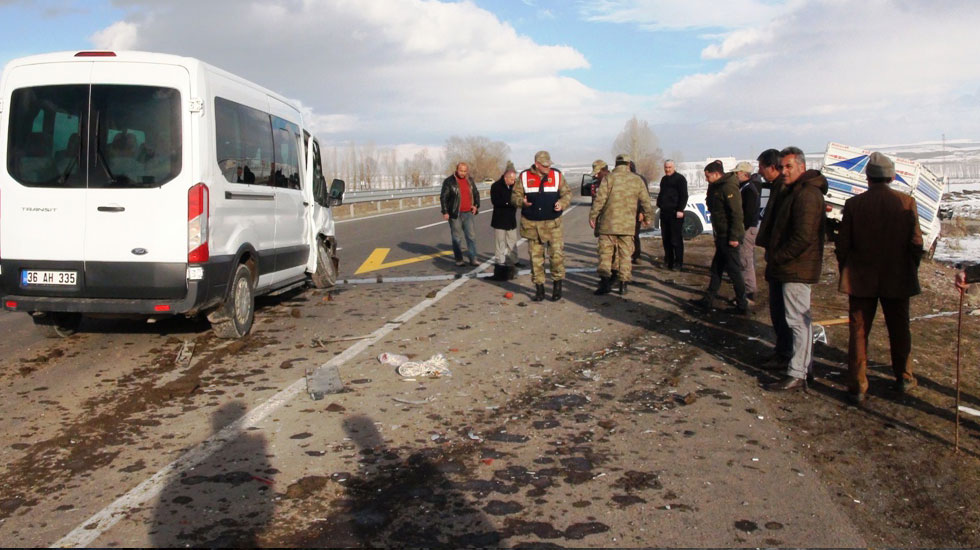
<point x="964" y="198"/>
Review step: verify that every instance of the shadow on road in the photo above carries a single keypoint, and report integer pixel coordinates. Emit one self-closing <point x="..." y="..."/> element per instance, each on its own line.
<point x="225" y="502"/>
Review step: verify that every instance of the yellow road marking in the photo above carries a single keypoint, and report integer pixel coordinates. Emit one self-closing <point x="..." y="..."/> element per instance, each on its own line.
<point x="376" y="260"/>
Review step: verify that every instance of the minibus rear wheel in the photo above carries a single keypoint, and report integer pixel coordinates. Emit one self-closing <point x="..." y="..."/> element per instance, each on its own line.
<point x="233" y="319"/>
<point x="57" y="324"/>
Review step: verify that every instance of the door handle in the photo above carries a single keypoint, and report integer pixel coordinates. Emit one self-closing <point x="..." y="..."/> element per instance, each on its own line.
<point x="111" y="209"/>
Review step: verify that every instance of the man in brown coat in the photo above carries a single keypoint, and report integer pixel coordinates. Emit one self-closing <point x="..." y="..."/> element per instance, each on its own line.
<point x="794" y="257"/>
<point x="878" y="250"/>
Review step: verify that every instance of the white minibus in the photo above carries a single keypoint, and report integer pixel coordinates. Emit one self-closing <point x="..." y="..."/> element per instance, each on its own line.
<point x="146" y="184"/>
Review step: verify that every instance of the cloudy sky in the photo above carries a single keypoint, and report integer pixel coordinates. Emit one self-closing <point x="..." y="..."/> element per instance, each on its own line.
<point x="713" y="78"/>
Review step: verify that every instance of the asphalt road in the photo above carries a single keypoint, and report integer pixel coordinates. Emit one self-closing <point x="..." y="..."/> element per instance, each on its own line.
<point x="572" y="422"/>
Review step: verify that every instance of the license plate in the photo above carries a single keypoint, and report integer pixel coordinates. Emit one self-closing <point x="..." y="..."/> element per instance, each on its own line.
<point x="35" y="277"/>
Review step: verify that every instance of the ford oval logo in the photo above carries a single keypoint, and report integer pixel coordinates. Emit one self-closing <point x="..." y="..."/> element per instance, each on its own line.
<point x="139" y="251"/>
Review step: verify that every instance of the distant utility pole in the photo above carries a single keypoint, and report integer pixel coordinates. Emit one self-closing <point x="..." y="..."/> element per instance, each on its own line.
<point x="945" y="177"/>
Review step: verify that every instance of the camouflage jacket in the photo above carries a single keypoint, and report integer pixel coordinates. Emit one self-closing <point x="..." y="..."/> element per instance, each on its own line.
<point x="619" y="196"/>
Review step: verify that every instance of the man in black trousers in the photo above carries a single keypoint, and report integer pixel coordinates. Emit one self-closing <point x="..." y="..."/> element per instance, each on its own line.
<point x="672" y="200"/>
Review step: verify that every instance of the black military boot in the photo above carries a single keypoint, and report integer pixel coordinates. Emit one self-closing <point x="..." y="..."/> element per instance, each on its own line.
<point x="538" y="293"/>
<point x="556" y="291"/>
<point x="622" y="288"/>
<point x="605" y="285"/>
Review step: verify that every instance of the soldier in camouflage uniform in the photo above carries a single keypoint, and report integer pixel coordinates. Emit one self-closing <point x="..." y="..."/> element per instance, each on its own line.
<point x="542" y="195"/>
<point x="614" y="218"/>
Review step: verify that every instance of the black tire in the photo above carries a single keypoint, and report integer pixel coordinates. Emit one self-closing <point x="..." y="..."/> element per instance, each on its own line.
<point x="57" y="324"/>
<point x="325" y="275"/>
<point x="233" y="319"/>
<point x="692" y="226"/>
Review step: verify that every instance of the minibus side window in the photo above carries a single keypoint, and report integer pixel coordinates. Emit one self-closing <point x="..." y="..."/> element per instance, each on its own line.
<point x="287" y="136"/>
<point x="43" y="139"/>
<point x="244" y="143"/>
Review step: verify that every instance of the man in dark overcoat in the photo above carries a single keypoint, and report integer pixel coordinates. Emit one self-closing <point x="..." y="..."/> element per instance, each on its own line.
<point x="879" y="247"/>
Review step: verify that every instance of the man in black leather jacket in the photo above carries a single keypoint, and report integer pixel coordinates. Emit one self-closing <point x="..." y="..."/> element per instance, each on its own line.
<point x="460" y="202"/>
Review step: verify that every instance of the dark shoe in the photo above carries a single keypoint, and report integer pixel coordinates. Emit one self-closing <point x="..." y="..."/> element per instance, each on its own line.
<point x="668" y="267"/>
<point x="473" y="261"/>
<point x="743" y="311"/>
<point x="705" y="303"/>
<point x="634" y="261"/>
<point x="518" y="265"/>
<point x="750" y="296"/>
<point x="775" y="363"/>
<point x="605" y="286"/>
<point x="788" y="383"/>
<point x="905" y="384"/>
<point x="856" y="399"/>
<point x="622" y="287"/>
<point x="809" y="378"/>
<point x="556" y="291"/>
<point x="538" y="293"/>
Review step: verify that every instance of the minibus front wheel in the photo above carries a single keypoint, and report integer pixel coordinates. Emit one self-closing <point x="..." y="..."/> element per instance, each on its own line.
<point x="57" y="324"/>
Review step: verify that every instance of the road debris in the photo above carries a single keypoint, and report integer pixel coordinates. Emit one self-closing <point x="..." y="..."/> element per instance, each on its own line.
<point x="425" y="401"/>
<point x="185" y="354"/>
<point x="323" y="380"/>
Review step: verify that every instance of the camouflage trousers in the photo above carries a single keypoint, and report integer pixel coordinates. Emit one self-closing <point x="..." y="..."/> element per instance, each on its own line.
<point x="615" y="254"/>
<point x="542" y="235"/>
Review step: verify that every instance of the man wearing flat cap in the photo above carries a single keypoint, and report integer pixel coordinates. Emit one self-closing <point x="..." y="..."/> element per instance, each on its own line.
<point x="613" y="216"/>
<point x="879" y="247"/>
<point x="542" y="195"/>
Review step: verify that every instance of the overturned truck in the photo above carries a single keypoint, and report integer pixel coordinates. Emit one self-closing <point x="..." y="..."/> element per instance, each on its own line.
<point x="844" y="166"/>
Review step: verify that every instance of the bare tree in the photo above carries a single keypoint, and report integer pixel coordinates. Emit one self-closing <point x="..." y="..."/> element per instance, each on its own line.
<point x="486" y="158"/>
<point x="639" y="142"/>
<point x="418" y="171"/>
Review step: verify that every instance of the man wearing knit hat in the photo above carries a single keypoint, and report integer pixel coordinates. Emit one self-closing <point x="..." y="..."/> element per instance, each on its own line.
<point x="879" y="247"/>
<point x="542" y="195"/>
<point x="504" y="224"/>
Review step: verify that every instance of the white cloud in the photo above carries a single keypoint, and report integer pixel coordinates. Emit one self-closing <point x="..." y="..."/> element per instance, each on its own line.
<point x="682" y="14"/>
<point x="121" y="35"/>
<point x="859" y="72"/>
<point x="415" y="71"/>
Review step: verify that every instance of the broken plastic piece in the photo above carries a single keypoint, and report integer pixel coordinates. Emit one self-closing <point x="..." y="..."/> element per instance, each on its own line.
<point x="322" y="381"/>
<point x="392" y="359"/>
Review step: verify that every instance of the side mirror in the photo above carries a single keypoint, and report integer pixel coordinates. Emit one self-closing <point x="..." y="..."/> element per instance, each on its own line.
<point x="336" y="196"/>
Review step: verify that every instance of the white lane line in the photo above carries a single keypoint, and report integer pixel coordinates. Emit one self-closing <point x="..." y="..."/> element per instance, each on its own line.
<point x="102" y="521"/>
<point x="430" y="225"/>
<point x="385" y="214"/>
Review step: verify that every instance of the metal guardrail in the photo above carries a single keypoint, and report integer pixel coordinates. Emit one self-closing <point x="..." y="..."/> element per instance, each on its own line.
<point x="374" y="195"/>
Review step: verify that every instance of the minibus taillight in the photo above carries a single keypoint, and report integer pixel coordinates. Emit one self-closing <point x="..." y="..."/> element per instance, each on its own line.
<point x="197" y="224"/>
<point x="95" y="54"/>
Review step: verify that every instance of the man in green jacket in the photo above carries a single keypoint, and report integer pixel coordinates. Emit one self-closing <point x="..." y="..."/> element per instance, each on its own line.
<point x="725" y="204"/>
<point x="613" y="215"/>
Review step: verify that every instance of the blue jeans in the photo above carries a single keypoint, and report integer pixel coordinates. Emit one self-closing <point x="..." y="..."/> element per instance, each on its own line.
<point x="460" y="227"/>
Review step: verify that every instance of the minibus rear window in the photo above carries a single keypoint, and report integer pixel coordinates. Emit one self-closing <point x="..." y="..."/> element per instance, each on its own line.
<point x="99" y="136"/>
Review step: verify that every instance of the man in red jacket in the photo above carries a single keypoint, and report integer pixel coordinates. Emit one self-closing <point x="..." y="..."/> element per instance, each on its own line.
<point x="879" y="247"/>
